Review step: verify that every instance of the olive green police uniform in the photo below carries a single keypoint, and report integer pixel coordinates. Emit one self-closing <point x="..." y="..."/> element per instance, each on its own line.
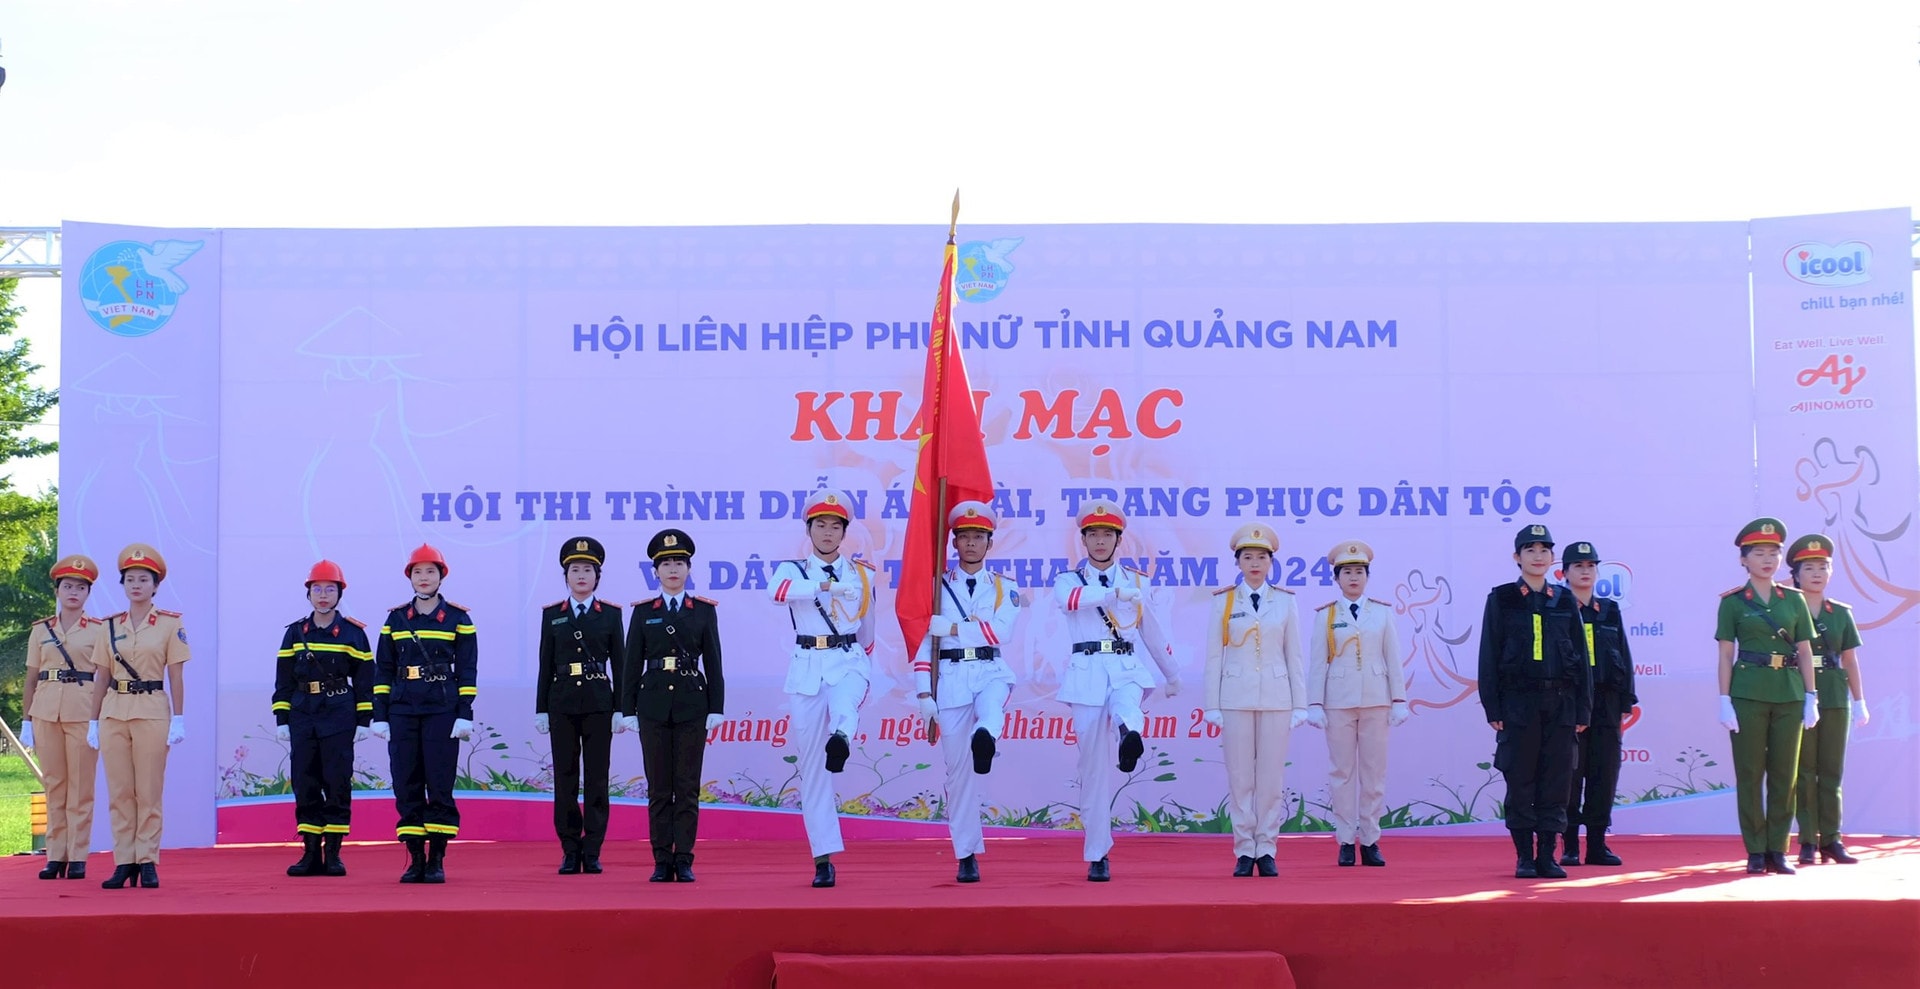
<point x="1768" y="699"/>
<point x="1823" y="749"/>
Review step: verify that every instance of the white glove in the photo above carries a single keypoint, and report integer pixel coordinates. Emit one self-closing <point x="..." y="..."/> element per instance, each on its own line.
<point x="381" y="730"/>
<point x="847" y="590"/>
<point x="282" y="732"/>
<point x="1126" y="592"/>
<point x="26" y="734"/>
<point x="1398" y="714"/>
<point x="1317" y="716"/>
<point x="1213" y="718"/>
<point x="1860" y="711"/>
<point x="540" y="724"/>
<point x="630" y="723"/>
<point x="1811" y="716"/>
<point x="929" y="710"/>
<point x="1173" y="687"/>
<point x="714" y="720"/>
<point x="93" y="735"/>
<point x="1299" y="718"/>
<point x="462" y="729"/>
<point x="360" y="734"/>
<point x="619" y="723"/>
<point x="1727" y="718"/>
<point x="177" y="729"/>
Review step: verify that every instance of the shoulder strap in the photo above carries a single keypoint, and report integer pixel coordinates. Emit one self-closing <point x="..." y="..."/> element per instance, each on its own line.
<point x="1112" y="629"/>
<point x="53" y="636"/>
<point x="114" y="645"/>
<point x="1754" y="607"/>
<point x="962" y="605"/>
<point x="1226" y="614"/>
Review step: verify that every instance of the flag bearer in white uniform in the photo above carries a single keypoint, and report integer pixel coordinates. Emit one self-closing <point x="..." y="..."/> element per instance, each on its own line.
<point x="1110" y="623"/>
<point x="1256" y="693"/>
<point x="1358" y="691"/>
<point x="977" y="610"/>
<point x="829" y="598"/>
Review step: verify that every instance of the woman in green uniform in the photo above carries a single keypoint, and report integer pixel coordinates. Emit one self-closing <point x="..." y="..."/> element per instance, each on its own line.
<point x="1767" y="693"/>
<point x="1836" y="669"/>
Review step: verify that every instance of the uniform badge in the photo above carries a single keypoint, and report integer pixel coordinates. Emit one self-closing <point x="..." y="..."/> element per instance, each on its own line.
<point x="1766" y="528"/>
<point x="182" y="633"/>
<point x="580" y="546"/>
<point x="672" y="540"/>
<point x="1538" y="530"/>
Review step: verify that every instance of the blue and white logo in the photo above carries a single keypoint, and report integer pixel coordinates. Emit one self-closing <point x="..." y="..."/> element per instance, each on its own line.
<point x="130" y="288"/>
<point x="984" y="269"/>
<point x="1829" y="264"/>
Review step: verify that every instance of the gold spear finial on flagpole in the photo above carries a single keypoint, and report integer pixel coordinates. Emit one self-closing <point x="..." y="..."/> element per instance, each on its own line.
<point x="955" y="223"/>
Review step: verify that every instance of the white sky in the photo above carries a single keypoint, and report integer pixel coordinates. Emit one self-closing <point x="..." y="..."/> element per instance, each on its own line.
<point x="399" y="113"/>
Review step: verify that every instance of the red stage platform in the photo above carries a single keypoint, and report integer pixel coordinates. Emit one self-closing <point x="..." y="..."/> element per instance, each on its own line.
<point x="1445" y="912"/>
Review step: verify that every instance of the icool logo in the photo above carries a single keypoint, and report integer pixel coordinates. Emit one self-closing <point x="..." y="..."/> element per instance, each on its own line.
<point x="1823" y="264"/>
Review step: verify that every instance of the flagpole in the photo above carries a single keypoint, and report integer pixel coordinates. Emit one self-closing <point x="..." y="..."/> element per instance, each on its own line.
<point x="940" y="525"/>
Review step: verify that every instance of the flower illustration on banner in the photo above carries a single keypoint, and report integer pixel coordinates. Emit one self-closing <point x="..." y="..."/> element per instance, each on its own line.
<point x="1841" y="488"/>
<point x="1424" y="601"/>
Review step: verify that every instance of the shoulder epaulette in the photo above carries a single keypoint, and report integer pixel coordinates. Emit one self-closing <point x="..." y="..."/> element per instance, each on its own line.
<point x="1733" y="590"/>
<point x="556" y="604"/>
<point x="166" y="613"/>
<point x="1225" y="589"/>
<point x="1787" y="587"/>
<point x="652" y="600"/>
<point x="1277" y="587"/>
<point x="1383" y="604"/>
<point x="710" y="601"/>
<point x="1324" y="607"/>
<point x="355" y="622"/>
<point x="1841" y="605"/>
<point x="120" y="617"/>
<point x="56" y="620"/>
<point x="1137" y="570"/>
<point x="454" y="605"/>
<point x="864" y="563"/>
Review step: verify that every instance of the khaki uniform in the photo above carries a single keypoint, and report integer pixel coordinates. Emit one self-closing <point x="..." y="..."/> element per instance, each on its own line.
<point x="1256" y="678"/>
<point x="133" y="725"/>
<point x="62" y="663"/>
<point x="1355" y="674"/>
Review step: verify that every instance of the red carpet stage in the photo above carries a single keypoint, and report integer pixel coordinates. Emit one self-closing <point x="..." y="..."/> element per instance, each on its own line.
<point x="1445" y="912"/>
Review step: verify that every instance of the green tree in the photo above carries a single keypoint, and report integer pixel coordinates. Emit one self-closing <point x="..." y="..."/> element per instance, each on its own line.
<point x="29" y="523"/>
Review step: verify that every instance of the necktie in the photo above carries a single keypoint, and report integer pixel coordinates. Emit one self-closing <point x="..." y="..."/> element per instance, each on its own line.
<point x="579" y="609"/>
<point x="971" y="581"/>
<point x="830" y="574"/>
<point x="673" y="606"/>
<point x="1256" y="600"/>
<point x="1354" y="608"/>
<point x="1104" y="582"/>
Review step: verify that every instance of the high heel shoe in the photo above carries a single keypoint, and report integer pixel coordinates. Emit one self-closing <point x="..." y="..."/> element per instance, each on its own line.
<point x="121" y="873"/>
<point x="54" y="870"/>
<point x="149" y="876"/>
<point x="1830" y="852"/>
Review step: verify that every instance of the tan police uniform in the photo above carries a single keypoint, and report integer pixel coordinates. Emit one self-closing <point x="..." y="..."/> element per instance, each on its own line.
<point x="61" y="672"/>
<point x="134" y="717"/>
<point x="1356" y="682"/>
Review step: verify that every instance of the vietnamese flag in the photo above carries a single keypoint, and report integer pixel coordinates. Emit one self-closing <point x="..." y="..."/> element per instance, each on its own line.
<point x="952" y="466"/>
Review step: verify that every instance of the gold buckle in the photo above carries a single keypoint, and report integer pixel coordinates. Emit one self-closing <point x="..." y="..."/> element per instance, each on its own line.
<point x="49" y="674"/>
<point x="123" y="686"/>
<point x="1777" y="662"/>
<point x="573" y="669"/>
<point x="1106" y="645"/>
<point x="820" y="642"/>
<point x="670" y="664"/>
<point x="313" y="686"/>
<point x="413" y="672"/>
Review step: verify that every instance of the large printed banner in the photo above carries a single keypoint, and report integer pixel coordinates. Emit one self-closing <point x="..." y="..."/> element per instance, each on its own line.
<point x="278" y="396"/>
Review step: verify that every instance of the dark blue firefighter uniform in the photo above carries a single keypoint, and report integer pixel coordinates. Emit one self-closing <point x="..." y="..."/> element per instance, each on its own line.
<point x="424" y="680"/>
<point x="322" y="691"/>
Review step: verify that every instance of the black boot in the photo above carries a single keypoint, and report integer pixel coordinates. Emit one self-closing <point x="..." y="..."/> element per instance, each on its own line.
<point x="54" y="870"/>
<point x="569" y="862"/>
<point x="309" y="863"/>
<point x="121" y="873"/>
<point x="1543" y="863"/>
<point x="683" y="868"/>
<point x="1370" y="855"/>
<point x="436" y="861"/>
<point x="330" y="864"/>
<point x="1777" y="864"/>
<point x="1243" y="866"/>
<point x="77" y="870"/>
<point x="1597" y="851"/>
<point x="837" y="752"/>
<point x="1806" y="853"/>
<point x="1131" y="749"/>
<point x="416" y="861"/>
<point x="1832" y="851"/>
<point x="1346" y="853"/>
<point x="149" y="876"/>
<point x="982" y="751"/>
<point x="823" y="877"/>
<point x="1570" y="855"/>
<point x="969" y="871"/>
<point x="1523" y="855"/>
<point x="1099" y="872"/>
<point x="1756" y="864"/>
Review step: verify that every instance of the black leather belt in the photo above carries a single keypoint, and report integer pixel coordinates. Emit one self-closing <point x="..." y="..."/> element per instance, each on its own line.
<point x="1121" y="646"/>
<point x="432" y="671"/>
<point x="1774" y="660"/>
<point x="326" y="686"/>
<point x="137" y="686"/>
<point x="68" y="676"/>
<point x="969" y="655"/>
<point x="824" y="641"/>
<point x="672" y="664"/>
<point x="591" y="669"/>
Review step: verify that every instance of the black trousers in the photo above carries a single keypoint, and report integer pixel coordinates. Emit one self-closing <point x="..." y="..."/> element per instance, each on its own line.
<point x="425" y="758"/>
<point x="1596" y="778"/>
<point x="671" y="754"/>
<point x="582" y="745"/>
<point x="322" y="782"/>
<point x="1536" y="757"/>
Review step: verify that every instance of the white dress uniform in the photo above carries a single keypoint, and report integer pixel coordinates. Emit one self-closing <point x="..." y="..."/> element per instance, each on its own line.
<point x="829" y="669"/>
<point x="975" y="680"/>
<point x="1257" y="679"/>
<point x="1357" y="680"/>
<point x="1107" y="675"/>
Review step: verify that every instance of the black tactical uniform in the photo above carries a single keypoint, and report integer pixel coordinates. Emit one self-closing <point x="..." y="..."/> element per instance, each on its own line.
<point x="578" y="686"/>
<point x="1596" y="751"/>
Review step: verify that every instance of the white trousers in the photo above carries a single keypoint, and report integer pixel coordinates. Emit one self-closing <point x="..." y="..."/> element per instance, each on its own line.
<point x="1097" y="731"/>
<point x="836" y="708"/>
<point x="986" y="709"/>
<point x="1357" y="777"/>
<point x="1255" y="744"/>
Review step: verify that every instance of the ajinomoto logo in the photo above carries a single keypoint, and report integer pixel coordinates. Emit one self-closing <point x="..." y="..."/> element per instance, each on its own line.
<point x="1830" y="264"/>
<point x="130" y="288"/>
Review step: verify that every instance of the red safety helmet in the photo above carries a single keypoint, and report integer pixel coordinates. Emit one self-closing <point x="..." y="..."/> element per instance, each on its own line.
<point x="329" y="571"/>
<point x="425" y="554"/>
